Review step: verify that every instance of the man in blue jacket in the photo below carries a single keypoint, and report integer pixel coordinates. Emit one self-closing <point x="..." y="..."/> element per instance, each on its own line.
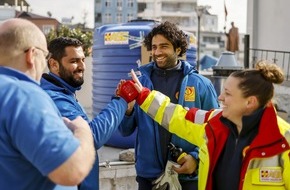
<point x="37" y="150"/>
<point x="182" y="83"/>
<point x="66" y="76"/>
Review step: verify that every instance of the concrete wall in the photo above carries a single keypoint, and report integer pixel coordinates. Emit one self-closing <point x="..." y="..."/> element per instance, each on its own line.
<point x="267" y="24"/>
<point x="268" y="29"/>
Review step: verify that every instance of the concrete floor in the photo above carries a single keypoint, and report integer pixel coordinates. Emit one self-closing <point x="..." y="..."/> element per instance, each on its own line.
<point x="114" y="174"/>
<point x="120" y="175"/>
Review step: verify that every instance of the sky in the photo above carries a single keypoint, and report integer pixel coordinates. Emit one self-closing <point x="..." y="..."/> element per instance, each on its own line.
<point x="237" y="12"/>
<point x="65" y="8"/>
<point x="78" y="8"/>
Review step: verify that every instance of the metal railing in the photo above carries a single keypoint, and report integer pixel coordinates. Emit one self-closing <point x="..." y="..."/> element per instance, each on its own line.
<point x="281" y="58"/>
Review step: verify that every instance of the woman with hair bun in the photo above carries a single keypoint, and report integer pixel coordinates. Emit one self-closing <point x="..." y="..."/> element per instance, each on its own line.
<point x="244" y="145"/>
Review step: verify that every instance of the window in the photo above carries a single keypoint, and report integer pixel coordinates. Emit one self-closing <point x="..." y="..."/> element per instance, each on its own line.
<point x="119" y="18"/>
<point x="98" y="17"/>
<point x="141" y="7"/>
<point x="108" y="18"/>
<point x="108" y="3"/>
<point x="98" y="4"/>
<point x="130" y="16"/>
<point x="130" y="3"/>
<point x="209" y="39"/>
<point x="119" y="4"/>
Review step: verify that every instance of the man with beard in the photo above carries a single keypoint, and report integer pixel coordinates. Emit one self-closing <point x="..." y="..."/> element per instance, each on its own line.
<point x="181" y="82"/>
<point x="39" y="150"/>
<point x="66" y="65"/>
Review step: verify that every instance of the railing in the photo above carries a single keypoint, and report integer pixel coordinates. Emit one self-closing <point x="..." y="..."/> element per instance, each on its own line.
<point x="281" y="58"/>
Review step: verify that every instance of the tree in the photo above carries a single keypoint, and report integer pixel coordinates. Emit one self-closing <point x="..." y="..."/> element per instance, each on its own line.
<point x="86" y="37"/>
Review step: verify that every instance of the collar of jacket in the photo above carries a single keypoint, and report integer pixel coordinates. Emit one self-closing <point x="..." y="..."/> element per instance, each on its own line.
<point x="187" y="68"/>
<point x="269" y="129"/>
<point x="17" y="74"/>
<point x="57" y="81"/>
<point x="176" y="67"/>
<point x="268" y="135"/>
<point x="250" y="123"/>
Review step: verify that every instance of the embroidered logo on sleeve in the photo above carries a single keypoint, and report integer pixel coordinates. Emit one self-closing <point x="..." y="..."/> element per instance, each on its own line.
<point x="271" y="174"/>
<point x="189" y="93"/>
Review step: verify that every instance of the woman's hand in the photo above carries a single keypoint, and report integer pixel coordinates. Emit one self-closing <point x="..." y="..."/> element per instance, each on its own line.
<point x="137" y="84"/>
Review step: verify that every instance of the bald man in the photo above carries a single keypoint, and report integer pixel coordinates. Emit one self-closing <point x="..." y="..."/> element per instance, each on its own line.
<point x="38" y="149"/>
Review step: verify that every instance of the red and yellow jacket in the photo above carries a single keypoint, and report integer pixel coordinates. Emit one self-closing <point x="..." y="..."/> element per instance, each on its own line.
<point x="265" y="165"/>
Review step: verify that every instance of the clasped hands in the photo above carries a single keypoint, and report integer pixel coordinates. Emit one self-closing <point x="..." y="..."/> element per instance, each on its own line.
<point x="129" y="89"/>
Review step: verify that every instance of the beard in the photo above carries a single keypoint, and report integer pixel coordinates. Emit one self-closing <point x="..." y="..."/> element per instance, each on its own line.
<point x="69" y="77"/>
<point x="169" y="62"/>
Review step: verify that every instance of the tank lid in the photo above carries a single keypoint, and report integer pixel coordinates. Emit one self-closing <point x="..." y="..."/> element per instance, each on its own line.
<point x="227" y="61"/>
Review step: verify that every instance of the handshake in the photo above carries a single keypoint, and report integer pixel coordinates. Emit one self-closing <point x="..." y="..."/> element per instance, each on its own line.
<point x="131" y="89"/>
<point x="127" y="90"/>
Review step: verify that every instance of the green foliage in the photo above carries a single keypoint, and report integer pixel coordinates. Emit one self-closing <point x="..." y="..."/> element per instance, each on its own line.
<point x="86" y="37"/>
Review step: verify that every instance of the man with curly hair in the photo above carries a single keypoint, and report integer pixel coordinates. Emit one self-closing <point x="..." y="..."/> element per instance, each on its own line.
<point x="181" y="82"/>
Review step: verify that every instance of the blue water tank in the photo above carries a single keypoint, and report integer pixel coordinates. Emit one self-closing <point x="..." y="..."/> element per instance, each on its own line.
<point x="116" y="50"/>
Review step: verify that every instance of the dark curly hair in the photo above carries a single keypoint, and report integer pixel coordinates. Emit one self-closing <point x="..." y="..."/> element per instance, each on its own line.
<point x="57" y="46"/>
<point x="170" y="31"/>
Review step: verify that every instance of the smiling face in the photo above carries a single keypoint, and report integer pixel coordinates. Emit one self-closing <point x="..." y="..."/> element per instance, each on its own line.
<point x="233" y="103"/>
<point x="163" y="52"/>
<point x="72" y="66"/>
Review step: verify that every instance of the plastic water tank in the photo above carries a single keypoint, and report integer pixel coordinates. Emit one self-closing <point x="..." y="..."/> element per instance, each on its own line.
<point x="117" y="50"/>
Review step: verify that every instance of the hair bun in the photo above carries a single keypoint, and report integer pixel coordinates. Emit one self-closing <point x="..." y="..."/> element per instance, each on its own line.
<point x="270" y="71"/>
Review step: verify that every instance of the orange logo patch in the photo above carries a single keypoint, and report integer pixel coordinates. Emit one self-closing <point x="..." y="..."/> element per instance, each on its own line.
<point x="189" y="94"/>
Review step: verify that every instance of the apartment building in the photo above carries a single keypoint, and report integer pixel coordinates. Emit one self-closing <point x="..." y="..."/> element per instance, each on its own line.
<point x="114" y="11"/>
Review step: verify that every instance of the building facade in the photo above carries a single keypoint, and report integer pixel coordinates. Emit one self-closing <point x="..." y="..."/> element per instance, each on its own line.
<point x="114" y="11"/>
<point x="183" y="13"/>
